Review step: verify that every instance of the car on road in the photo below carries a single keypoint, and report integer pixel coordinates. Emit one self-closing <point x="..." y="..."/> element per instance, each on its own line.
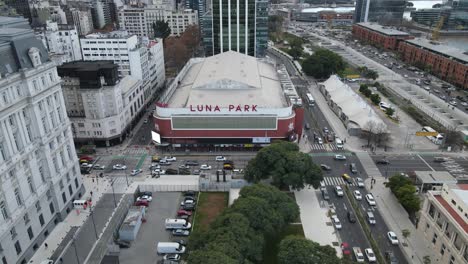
<point x="183" y="166"/>
<point x="320" y="140"/>
<point x="358" y="254"/>
<point x="136" y="172"/>
<point x="390" y="257"/>
<point x="325" y="130"/>
<point x="336" y="222"/>
<point x="171" y="171"/>
<point x="339" y="191"/>
<point x="453" y="103"/>
<point x="158" y="172"/>
<point x="185" y="202"/>
<point x="119" y="167"/>
<point x="205" y="167"/>
<point x="183" y="212"/>
<point x="353" y="168"/>
<point x="464" y="103"/>
<point x="406" y="75"/>
<point x="145" y="121"/>
<point x="191" y="163"/>
<point x="357" y="194"/>
<point x="164" y="162"/>
<point x="427" y="88"/>
<point x="99" y="167"/>
<point x="382" y="161"/>
<point x="392" y="237"/>
<point x="345" y="248"/>
<point x="370" y="255"/>
<point x="370" y="217"/>
<point x="360" y="182"/>
<point x="340" y="157"/>
<point x="351" y="217"/>
<point x="325" y="167"/>
<point x="347" y="178"/>
<point x="180" y="232"/>
<point x="170" y="158"/>
<point x="145" y="197"/>
<point x="173" y="257"/>
<point x="220" y="158"/>
<point x="370" y="199"/>
<point x="196" y="172"/>
<point x="440" y="159"/>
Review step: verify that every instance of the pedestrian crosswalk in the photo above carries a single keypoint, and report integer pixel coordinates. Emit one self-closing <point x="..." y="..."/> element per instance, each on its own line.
<point x="134" y="151"/>
<point x="120" y="184"/>
<point x="324" y="147"/>
<point x="333" y="181"/>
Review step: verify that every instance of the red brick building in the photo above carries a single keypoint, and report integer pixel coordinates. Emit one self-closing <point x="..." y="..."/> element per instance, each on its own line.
<point x="378" y="35"/>
<point x="331" y="15"/>
<point x="449" y="64"/>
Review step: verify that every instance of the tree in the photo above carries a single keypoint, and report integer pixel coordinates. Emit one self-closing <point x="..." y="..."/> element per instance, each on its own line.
<point x="299" y="250"/>
<point x="209" y="257"/>
<point x="275" y="23"/>
<point x="369" y="129"/>
<point x="405" y="233"/>
<point x="191" y="38"/>
<point x="409" y="200"/>
<point x="363" y="87"/>
<point x="295" y="52"/>
<point x="375" y="98"/>
<point x="323" y="63"/>
<point x="161" y="29"/>
<point x="283" y="162"/>
<point x="396" y="182"/>
<point x="371" y="74"/>
<point x="389" y="111"/>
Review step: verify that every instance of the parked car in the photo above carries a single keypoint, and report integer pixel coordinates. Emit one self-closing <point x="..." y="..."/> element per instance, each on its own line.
<point x="357" y="194"/>
<point x="122" y="243"/>
<point x="340" y="157"/>
<point x="181" y="242"/>
<point x="336" y="222"/>
<point x="205" y="167"/>
<point x="345" y="248"/>
<point x="119" y="167"/>
<point x="390" y="257"/>
<point x="183" y="212"/>
<point x="189" y="207"/>
<point x="136" y="172"/>
<point x="382" y="161"/>
<point x="145" y="198"/>
<point x="173" y="257"/>
<point x="180" y="232"/>
<point x="155" y="158"/>
<point x="325" y="167"/>
<point x="142" y="203"/>
<point x="191" y="163"/>
<point x="158" y="172"/>
<point x="370" y="199"/>
<point x="190" y="193"/>
<point x="220" y="158"/>
<point x="170" y="158"/>
<point x="339" y="191"/>
<point x="360" y="182"/>
<point x="351" y="217"/>
<point x="183" y="166"/>
<point x="146" y="193"/>
<point x="164" y="162"/>
<point x="392" y="237"/>
<point x="353" y="168"/>
<point x="370" y="255"/>
<point x="171" y="171"/>
<point x="196" y="172"/>
<point x="188" y="201"/>
<point x="99" y="167"/>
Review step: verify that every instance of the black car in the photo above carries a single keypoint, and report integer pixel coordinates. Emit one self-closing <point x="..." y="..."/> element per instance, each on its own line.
<point x="188" y="197"/>
<point x="353" y="168"/>
<point x="191" y="163"/>
<point x="190" y="193"/>
<point x="383" y="161"/>
<point x="390" y="257"/>
<point x="181" y="241"/>
<point x="146" y="193"/>
<point x="189" y="207"/>
<point x="183" y="171"/>
<point x="122" y="244"/>
<point x="439" y="159"/>
<point x="171" y="171"/>
<point x="325" y="167"/>
<point x="351" y="217"/>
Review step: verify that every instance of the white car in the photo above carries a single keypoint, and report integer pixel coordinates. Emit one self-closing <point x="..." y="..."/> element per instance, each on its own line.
<point x="360" y="182"/>
<point x="145" y="198"/>
<point x="187" y="202"/>
<point x="159" y="171"/>
<point x="135" y="172"/>
<point x="205" y="167"/>
<point x="392" y="237"/>
<point x="357" y="195"/>
<point x="170" y="158"/>
<point x="370" y="199"/>
<point x="340" y="157"/>
<point x="464" y="103"/>
<point x="453" y="103"/>
<point x="99" y="167"/>
<point x="339" y="191"/>
<point x="119" y="167"/>
<point x="370" y="255"/>
<point x="164" y="162"/>
<point x="320" y="141"/>
<point x="155" y="166"/>
<point x="406" y="75"/>
<point x="86" y="165"/>
<point x="336" y="222"/>
<point x="220" y="158"/>
<point x="172" y="257"/>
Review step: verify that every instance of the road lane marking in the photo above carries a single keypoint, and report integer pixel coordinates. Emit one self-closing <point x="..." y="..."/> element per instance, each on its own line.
<point x="426" y="163"/>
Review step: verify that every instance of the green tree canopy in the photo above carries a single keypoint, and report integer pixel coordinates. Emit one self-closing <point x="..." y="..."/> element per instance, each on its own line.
<point x="323" y="63"/>
<point x="283" y="162"/>
<point x="161" y="29"/>
<point x="397" y="181"/>
<point x="298" y="250"/>
<point x="375" y="98"/>
<point x="209" y="257"/>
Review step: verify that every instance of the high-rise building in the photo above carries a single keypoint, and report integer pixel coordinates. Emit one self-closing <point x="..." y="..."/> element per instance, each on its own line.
<point x="382" y="11"/>
<point x="101" y="12"/>
<point x="39" y="167"/>
<point x="240" y="26"/>
<point x="80" y="15"/>
<point x="179" y="21"/>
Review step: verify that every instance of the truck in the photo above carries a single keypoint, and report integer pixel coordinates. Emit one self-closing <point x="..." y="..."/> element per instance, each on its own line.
<point x="358" y="254"/>
<point x="170" y="248"/>
<point x="177" y="224"/>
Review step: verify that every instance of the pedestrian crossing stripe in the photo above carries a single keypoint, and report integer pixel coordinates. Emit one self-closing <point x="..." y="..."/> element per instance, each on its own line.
<point x="333" y="181"/>
<point x="327" y="147"/>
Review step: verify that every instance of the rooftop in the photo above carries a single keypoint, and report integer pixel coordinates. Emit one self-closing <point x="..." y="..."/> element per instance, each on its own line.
<point x="435" y="177"/>
<point x="383" y="29"/>
<point x="452" y="212"/>
<point x="230" y="78"/>
<point x="6" y="21"/>
<point x="442" y="49"/>
<point x="116" y="34"/>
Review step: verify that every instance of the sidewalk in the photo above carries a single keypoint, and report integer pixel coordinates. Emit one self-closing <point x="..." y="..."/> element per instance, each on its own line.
<point x="73" y="219"/>
<point x="397" y="220"/>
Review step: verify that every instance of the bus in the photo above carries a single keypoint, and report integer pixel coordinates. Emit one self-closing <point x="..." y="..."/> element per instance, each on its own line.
<point x="310" y="99"/>
<point x="436" y="139"/>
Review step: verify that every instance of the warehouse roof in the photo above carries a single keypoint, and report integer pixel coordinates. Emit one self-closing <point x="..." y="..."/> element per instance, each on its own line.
<point x="383" y="29"/>
<point x="230" y="78"/>
<point x="442" y="49"/>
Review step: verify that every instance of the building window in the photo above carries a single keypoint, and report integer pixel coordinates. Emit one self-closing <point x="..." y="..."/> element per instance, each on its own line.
<point x="61" y="184"/>
<point x="52" y="208"/>
<point x="30" y="233"/>
<point x="31" y="185"/>
<point x="4" y="260"/>
<point x="26" y="218"/>
<point x="41" y="172"/>
<point x="18" y="248"/>
<point x="41" y="219"/>
<point x="64" y="198"/>
<point x="49" y="195"/>
<point x="4" y="210"/>
<point x="13" y="233"/>
<point x="38" y="206"/>
<point x="434" y="238"/>
<point x="70" y="190"/>
<point x="76" y="183"/>
<point x="18" y="197"/>
<point x="442" y="249"/>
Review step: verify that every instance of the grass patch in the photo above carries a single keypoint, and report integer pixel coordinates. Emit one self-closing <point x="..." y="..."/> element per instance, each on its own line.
<point x="349" y="71"/>
<point x="270" y="253"/>
<point x="210" y="205"/>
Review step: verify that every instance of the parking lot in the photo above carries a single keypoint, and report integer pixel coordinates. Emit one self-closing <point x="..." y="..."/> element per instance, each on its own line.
<point x="143" y="249"/>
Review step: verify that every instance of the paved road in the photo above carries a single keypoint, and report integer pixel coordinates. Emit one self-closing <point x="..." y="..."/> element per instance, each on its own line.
<point x="352" y="233"/>
<point x="86" y="235"/>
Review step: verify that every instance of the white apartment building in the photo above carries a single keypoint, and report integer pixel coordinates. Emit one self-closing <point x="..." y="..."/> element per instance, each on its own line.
<point x="142" y="59"/>
<point x="100" y="104"/>
<point x="39" y="170"/>
<point x="62" y="42"/>
<point x="81" y="18"/>
<point x="444" y="223"/>
<point x="140" y="20"/>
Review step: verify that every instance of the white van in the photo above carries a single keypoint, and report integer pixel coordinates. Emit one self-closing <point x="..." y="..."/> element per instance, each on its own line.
<point x="170" y="248"/>
<point x="177" y="224"/>
<point x="339" y="143"/>
<point x="80" y="204"/>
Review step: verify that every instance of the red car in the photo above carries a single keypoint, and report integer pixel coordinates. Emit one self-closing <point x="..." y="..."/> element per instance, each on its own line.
<point x="142" y="203"/>
<point x="183" y="212"/>
<point x="345" y="248"/>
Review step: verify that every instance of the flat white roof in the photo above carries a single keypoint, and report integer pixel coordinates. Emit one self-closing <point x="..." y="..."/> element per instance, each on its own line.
<point x="443" y="49"/>
<point x="435" y="177"/>
<point x="383" y="29"/>
<point x="230" y="78"/>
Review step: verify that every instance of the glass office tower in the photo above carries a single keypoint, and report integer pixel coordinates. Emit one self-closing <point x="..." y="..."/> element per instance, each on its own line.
<point x="384" y="11"/>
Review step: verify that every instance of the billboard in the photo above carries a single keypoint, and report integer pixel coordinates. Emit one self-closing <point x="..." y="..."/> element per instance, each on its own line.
<point x="156" y="137"/>
<point x="426" y="134"/>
